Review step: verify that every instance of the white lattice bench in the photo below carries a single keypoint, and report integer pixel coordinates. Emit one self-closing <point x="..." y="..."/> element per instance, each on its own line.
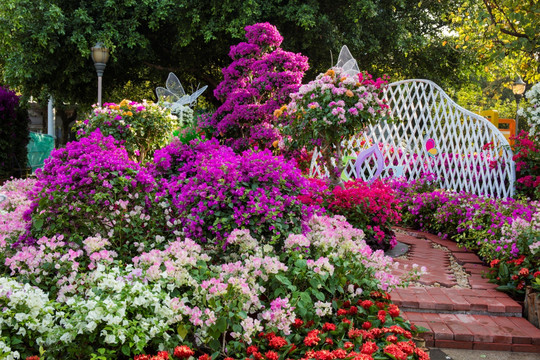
<point x="435" y="135"/>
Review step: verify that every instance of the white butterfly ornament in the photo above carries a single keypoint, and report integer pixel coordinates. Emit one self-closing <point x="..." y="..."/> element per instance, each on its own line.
<point x="174" y="94"/>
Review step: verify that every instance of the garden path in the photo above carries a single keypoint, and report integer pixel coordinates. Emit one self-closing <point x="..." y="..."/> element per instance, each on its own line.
<point x="459" y="308"/>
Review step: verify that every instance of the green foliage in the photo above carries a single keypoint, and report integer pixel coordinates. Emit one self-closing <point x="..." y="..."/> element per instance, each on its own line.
<point x="141" y="128"/>
<point x="501" y="29"/>
<point x="14" y="134"/>
<point x="45" y="46"/>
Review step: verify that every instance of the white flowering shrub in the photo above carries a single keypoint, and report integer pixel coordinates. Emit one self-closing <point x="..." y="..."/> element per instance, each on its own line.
<point x="26" y="320"/>
<point x="532" y="111"/>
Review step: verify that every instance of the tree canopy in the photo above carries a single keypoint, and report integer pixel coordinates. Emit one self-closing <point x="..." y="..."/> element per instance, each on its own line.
<point x="45" y="44"/>
<point x="501" y="30"/>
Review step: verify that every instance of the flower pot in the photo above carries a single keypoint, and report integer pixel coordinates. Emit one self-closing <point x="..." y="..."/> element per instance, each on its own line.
<point x="420" y="342"/>
<point x="531" y="307"/>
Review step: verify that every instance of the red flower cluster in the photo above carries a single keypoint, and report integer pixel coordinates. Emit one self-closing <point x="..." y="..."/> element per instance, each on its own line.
<point x="329" y="327"/>
<point x="277" y="342"/>
<point x="183" y="352"/>
<point x="312" y="338"/>
<point x="161" y="355"/>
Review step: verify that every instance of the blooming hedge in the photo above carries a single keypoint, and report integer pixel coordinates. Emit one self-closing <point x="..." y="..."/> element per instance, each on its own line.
<point x="373" y="208"/>
<point x="213" y="191"/>
<point x="504" y="232"/>
<point x="200" y="296"/>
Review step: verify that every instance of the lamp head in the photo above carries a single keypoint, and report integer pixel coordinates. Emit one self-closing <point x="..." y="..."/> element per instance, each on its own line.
<point x="518" y="87"/>
<point x="100" y="54"/>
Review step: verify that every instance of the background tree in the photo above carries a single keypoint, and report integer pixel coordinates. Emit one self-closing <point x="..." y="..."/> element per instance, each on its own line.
<point x="45" y="45"/>
<point x="501" y="30"/>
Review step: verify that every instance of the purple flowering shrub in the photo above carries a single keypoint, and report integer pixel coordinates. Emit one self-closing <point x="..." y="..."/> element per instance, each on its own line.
<point x="91" y="187"/>
<point x="256" y="83"/>
<point x="214" y="191"/>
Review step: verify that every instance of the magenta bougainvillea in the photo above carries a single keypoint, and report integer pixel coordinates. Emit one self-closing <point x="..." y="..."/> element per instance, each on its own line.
<point x="213" y="191"/>
<point x="256" y="83"/>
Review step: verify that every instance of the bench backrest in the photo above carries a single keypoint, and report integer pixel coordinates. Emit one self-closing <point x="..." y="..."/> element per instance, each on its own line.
<point x="431" y="134"/>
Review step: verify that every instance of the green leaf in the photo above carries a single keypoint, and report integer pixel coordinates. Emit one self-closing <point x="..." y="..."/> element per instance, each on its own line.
<point x="221" y="324"/>
<point x="126" y="350"/>
<point x="182" y="331"/>
<point x="38" y="224"/>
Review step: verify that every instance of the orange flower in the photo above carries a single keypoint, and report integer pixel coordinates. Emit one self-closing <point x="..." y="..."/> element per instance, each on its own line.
<point x="331" y="73"/>
<point x="278" y="112"/>
<point x="349" y="93"/>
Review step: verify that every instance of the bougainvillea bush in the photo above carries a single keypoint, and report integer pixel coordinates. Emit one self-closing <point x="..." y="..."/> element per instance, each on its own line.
<point x="515" y="256"/>
<point x="141" y="128"/>
<point x="256" y="83"/>
<point x="373" y="207"/>
<point x="527" y="158"/>
<point x="63" y="300"/>
<point x="91" y="187"/>
<point x="213" y="191"/>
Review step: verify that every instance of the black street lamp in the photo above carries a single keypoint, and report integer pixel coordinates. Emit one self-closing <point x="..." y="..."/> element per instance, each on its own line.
<point x="518" y="88"/>
<point x="100" y="56"/>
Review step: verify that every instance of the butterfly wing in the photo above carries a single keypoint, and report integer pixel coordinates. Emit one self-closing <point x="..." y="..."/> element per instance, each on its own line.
<point x="196" y="94"/>
<point x="165" y="95"/>
<point x="174" y="85"/>
<point x="430" y="144"/>
<point x="347" y="62"/>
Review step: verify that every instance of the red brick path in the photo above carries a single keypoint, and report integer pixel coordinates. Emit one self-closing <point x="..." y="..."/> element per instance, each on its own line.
<point x="479" y="318"/>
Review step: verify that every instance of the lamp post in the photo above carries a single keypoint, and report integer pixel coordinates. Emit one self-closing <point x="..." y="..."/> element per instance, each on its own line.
<point x="518" y="88"/>
<point x="100" y="56"/>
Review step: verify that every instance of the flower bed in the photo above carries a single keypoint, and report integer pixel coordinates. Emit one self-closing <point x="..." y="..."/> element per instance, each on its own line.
<point x="123" y="280"/>
<point x="505" y="233"/>
<point x="373" y="208"/>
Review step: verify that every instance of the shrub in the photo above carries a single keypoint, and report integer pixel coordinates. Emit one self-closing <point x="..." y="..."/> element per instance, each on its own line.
<point x="91" y="187"/>
<point x="257" y="82"/>
<point x="14" y="134"/>
<point x="334" y="106"/>
<point x="141" y="128"/>
<point x="527" y="158"/>
<point x="515" y="256"/>
<point x="373" y="208"/>
<point x="214" y="191"/>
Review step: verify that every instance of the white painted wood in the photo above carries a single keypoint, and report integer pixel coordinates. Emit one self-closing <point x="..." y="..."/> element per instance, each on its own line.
<point x="426" y="112"/>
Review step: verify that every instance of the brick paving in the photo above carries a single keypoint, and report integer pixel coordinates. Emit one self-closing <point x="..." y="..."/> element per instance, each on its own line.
<point x="476" y="317"/>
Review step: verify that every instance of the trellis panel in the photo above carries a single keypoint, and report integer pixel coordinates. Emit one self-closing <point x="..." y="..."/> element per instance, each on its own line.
<point x="432" y="135"/>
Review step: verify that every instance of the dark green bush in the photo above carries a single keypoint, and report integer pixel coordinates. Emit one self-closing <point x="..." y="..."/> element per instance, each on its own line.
<point x="14" y="135"/>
